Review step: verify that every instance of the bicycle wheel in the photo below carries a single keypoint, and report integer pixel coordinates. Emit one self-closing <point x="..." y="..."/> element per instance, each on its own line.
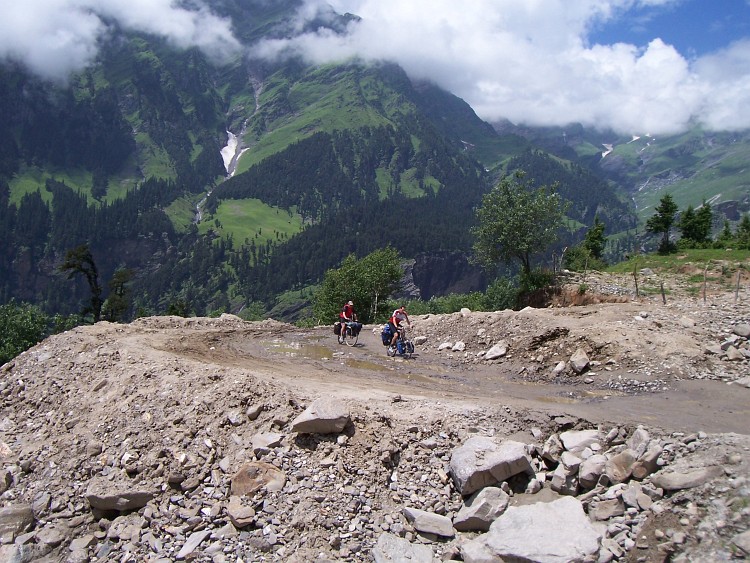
<point x="351" y="338"/>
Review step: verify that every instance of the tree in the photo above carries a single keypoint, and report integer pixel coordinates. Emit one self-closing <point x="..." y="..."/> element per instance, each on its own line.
<point x="695" y="225"/>
<point x="80" y="261"/>
<point x="517" y="221"/>
<point x="594" y="241"/>
<point x="366" y="282"/>
<point x="742" y="233"/>
<point x="22" y="325"/>
<point x="118" y="300"/>
<point x="662" y="221"/>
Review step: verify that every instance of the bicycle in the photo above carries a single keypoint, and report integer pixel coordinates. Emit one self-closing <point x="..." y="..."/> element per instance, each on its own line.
<point x="404" y="346"/>
<point x="349" y="334"/>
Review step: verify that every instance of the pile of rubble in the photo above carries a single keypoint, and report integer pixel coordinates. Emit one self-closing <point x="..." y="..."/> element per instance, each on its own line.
<point x="114" y="448"/>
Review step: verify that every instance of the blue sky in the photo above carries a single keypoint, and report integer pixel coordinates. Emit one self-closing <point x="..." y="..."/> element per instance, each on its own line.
<point x="632" y="66"/>
<point x="693" y="27"/>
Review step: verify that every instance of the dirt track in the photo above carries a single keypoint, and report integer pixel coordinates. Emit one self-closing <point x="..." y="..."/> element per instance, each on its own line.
<point x="648" y="380"/>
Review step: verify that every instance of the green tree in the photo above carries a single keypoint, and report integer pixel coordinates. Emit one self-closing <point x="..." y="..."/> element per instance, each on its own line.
<point x="118" y="300"/>
<point x="22" y="325"/>
<point x="662" y="222"/>
<point x="742" y="233"/>
<point x="517" y="221"/>
<point x="588" y="254"/>
<point x="594" y="241"/>
<point x="695" y="225"/>
<point x="366" y="282"/>
<point x="80" y="261"/>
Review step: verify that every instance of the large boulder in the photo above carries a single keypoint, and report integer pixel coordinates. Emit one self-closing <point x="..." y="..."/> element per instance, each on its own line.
<point x="481" y="462"/>
<point x="554" y="532"/>
<point x="324" y="416"/>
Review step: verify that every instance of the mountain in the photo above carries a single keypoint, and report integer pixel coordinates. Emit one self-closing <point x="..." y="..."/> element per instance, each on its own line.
<point x="220" y="185"/>
<point x="693" y="166"/>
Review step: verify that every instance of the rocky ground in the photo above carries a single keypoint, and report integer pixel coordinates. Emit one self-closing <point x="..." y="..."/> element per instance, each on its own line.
<point x="614" y="430"/>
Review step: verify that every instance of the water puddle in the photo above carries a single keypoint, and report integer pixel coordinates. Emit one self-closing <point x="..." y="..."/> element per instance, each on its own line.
<point x="364" y="364"/>
<point x="298" y="350"/>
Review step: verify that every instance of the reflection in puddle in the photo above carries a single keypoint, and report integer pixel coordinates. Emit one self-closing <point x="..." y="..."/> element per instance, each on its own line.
<point x="363" y="364"/>
<point x="298" y="350"/>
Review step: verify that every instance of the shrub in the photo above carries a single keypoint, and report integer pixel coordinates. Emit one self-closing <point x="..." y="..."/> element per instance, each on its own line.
<point x="22" y="326"/>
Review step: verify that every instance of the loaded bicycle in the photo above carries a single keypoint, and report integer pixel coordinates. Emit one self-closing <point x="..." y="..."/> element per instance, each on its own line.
<point x="404" y="346"/>
<point x="348" y="332"/>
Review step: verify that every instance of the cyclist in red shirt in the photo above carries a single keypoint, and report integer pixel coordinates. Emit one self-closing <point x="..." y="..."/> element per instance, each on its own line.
<point x="397" y="318"/>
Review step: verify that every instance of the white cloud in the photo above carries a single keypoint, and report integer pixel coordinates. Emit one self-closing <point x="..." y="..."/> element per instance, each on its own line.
<point x="55" y="37"/>
<point x="530" y="61"/>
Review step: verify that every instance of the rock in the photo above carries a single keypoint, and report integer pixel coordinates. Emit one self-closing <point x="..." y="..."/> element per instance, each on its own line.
<point x="742" y="329"/>
<point x="619" y="467"/>
<point x="734" y="355"/>
<point x="554" y="532"/>
<point x="192" y="543"/>
<point x="257" y="475"/>
<point x="499" y="350"/>
<point x="648" y="462"/>
<point x="263" y="443"/>
<point x="393" y="549"/>
<point x="481" y="509"/>
<point x="459" y="346"/>
<point x="579" y="361"/>
<point x="239" y="514"/>
<point x="15" y="520"/>
<point x="575" y="441"/>
<point x="481" y="462"/>
<point x="324" y="416"/>
<point x="674" y="481"/>
<point x="429" y="523"/>
<point x="742" y="541"/>
<point x="687" y="322"/>
<point x="606" y="509"/>
<point x="103" y="494"/>
<point x="444" y="346"/>
<point x="591" y="469"/>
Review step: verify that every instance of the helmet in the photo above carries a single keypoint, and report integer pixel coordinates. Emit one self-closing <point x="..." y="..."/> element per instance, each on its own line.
<point x="350" y="303"/>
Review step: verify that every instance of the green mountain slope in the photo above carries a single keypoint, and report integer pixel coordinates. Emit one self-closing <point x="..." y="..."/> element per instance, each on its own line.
<point x="331" y="160"/>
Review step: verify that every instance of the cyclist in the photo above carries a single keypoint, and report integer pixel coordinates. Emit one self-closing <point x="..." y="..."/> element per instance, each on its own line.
<point x="347" y="316"/>
<point x="395" y="322"/>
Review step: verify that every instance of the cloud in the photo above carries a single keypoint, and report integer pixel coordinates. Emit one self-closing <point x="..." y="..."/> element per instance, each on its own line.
<point x="531" y="62"/>
<point x="55" y="37"/>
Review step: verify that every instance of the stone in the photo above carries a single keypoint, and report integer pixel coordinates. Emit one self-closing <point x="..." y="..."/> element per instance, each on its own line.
<point x="324" y="416"/>
<point x="579" y="361"/>
<point x="674" y="481"/>
<point x="742" y="541"/>
<point x="121" y="496"/>
<point x="546" y="532"/>
<point x="429" y="522"/>
<point x="619" y="468"/>
<point x="192" y="543"/>
<point x="499" y="350"/>
<point x="576" y="441"/>
<point x="606" y="509"/>
<point x="742" y="329"/>
<point x="256" y="475"/>
<point x="239" y="514"/>
<point x="15" y="520"/>
<point x="481" y="462"/>
<point x="393" y="549"/>
<point x="590" y="470"/>
<point x="481" y="509"/>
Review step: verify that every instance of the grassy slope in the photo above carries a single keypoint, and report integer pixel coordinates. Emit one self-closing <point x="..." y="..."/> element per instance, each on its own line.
<point x="251" y="219"/>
